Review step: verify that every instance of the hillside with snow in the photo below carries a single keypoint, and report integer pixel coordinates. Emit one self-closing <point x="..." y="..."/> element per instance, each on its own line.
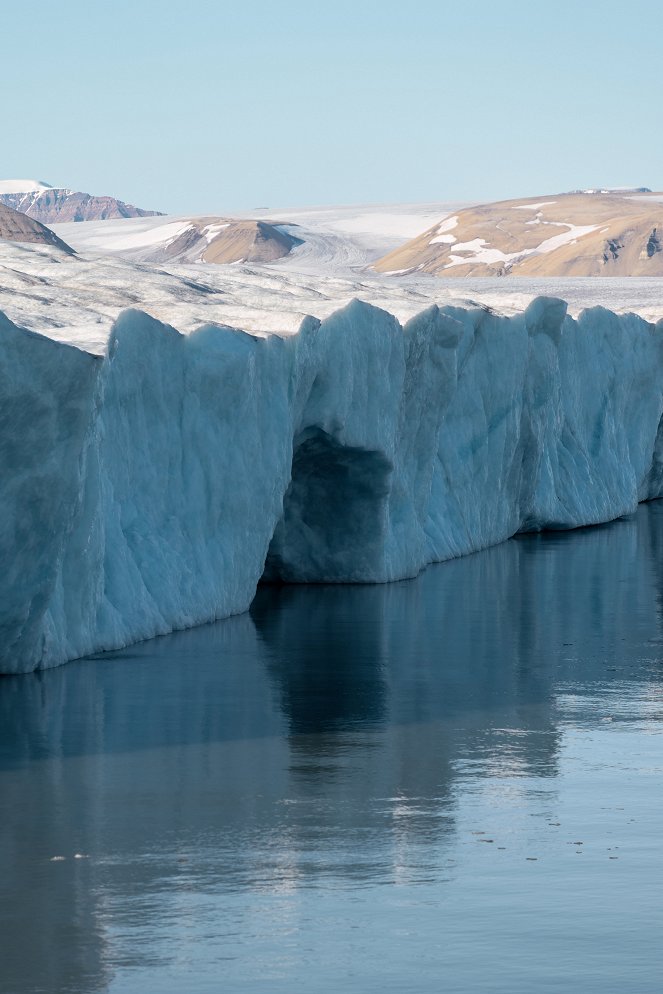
<point x="217" y="240"/>
<point x="589" y="233"/>
<point x="322" y="241"/>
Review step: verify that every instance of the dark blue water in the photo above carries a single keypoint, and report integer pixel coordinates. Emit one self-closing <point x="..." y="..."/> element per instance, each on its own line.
<point x="448" y="784"/>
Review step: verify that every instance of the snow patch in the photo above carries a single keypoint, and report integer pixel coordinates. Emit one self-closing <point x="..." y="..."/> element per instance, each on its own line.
<point x="479" y="252"/>
<point x="575" y="232"/>
<point x="210" y="231"/>
<point x="441" y="238"/>
<point x="533" y="207"/>
<point x="448" y="224"/>
<point x="23" y="186"/>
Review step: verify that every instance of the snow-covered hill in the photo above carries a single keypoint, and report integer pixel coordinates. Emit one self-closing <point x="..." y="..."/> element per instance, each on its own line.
<point x="216" y="240"/>
<point x="329" y="241"/>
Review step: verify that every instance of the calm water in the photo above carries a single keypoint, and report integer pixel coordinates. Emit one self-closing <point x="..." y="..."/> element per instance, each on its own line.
<point x="449" y="784"/>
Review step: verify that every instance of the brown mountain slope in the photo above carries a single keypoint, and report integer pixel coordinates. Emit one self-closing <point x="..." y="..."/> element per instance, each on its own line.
<point x="222" y="241"/>
<point x="573" y="234"/>
<point x="17" y="227"/>
<point x="252" y="241"/>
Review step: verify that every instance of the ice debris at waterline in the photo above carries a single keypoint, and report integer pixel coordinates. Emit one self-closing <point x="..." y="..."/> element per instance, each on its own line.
<point x="151" y="489"/>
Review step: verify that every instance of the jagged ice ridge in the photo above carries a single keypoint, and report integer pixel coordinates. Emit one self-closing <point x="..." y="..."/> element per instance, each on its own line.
<point x="152" y="488"/>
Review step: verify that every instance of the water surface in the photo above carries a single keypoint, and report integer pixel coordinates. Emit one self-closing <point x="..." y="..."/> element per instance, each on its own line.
<point x="447" y="784"/>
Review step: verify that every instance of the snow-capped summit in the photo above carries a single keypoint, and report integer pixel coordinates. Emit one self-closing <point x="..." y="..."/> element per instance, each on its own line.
<point x="50" y="204"/>
<point x="23" y="186"/>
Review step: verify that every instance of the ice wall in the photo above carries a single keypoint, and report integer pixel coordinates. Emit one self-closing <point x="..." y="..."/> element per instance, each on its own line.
<point x="152" y="489"/>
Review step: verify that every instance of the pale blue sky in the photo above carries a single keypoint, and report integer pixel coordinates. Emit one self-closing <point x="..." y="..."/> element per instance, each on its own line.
<point x="205" y="106"/>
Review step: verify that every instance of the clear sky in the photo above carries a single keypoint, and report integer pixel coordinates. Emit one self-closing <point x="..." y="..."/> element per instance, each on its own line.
<point x="205" y="106"/>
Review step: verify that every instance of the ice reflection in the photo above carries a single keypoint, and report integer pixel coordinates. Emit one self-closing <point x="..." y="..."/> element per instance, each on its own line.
<point x="333" y="740"/>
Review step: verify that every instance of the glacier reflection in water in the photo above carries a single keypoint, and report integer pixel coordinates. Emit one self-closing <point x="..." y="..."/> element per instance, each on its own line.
<point x="451" y="783"/>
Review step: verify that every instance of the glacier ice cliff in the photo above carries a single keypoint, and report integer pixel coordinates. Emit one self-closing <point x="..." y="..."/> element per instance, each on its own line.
<point x="152" y="488"/>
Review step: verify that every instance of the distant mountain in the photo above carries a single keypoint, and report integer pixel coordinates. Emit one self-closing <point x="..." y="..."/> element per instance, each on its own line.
<point x="51" y="205"/>
<point x="17" y="227"/>
<point x="589" y="233"/>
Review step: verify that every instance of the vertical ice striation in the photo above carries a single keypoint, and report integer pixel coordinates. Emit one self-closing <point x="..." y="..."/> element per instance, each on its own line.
<point x="47" y="397"/>
<point x="154" y="488"/>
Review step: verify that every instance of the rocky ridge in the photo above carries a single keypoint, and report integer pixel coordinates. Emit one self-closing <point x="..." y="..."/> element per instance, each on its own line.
<point x="52" y="205"/>
<point x="17" y="227"/>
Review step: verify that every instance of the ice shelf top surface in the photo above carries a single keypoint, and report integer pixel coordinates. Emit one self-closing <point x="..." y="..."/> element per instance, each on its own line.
<point x="77" y="299"/>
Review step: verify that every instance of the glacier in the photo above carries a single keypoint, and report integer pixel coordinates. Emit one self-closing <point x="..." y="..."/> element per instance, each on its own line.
<point x="153" y="487"/>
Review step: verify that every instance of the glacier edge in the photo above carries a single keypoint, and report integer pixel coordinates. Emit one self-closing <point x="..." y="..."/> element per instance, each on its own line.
<point x="152" y="488"/>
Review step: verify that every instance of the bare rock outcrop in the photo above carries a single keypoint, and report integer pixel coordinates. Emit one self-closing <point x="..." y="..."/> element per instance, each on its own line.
<point x="17" y="227"/>
<point x="53" y="205"/>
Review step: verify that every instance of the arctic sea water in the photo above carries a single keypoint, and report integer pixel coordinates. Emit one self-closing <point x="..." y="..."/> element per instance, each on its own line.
<point x="451" y="783"/>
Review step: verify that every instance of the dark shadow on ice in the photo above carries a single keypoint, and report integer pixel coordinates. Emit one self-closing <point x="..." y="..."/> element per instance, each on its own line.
<point x="333" y="513"/>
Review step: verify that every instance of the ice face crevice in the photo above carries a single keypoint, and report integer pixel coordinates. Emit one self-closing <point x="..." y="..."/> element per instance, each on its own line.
<point x="153" y="488"/>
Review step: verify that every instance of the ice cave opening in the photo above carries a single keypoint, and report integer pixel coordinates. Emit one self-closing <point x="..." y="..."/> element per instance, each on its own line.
<point x="334" y="513"/>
